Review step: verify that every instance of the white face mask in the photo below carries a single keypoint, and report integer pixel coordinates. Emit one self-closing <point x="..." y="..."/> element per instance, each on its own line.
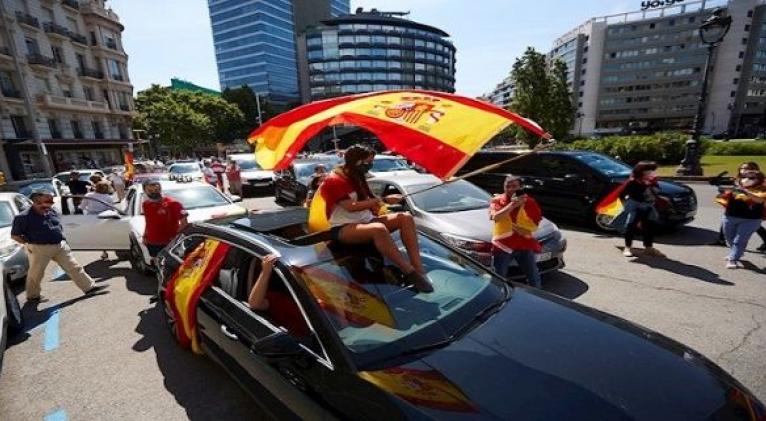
<point x="749" y="182"/>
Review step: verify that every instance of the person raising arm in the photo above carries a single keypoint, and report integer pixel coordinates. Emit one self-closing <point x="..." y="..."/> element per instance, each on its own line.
<point x="257" y="298"/>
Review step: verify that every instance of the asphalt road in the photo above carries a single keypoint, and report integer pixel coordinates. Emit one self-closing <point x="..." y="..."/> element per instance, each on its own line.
<point x="111" y="357"/>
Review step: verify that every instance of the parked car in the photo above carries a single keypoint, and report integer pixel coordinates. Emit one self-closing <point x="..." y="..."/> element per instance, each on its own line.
<point x="85" y="175"/>
<point x="569" y="185"/>
<point x="254" y="178"/>
<point x="11" y="321"/>
<point x="122" y="228"/>
<point x="291" y="185"/>
<point x="390" y="165"/>
<point x="12" y="254"/>
<point x="348" y="341"/>
<point x="189" y="171"/>
<point x="458" y="213"/>
<point x="27" y="187"/>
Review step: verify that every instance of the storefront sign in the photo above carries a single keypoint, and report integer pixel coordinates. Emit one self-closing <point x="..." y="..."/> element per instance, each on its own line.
<point x="653" y="4"/>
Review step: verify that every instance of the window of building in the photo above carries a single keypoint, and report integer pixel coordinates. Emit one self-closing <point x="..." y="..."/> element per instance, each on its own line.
<point x="32" y="46"/>
<point x="114" y="69"/>
<point x="76" y="130"/>
<point x="741" y="54"/>
<point x="733" y="94"/>
<point x="744" y="41"/>
<point x="19" y="124"/>
<point x="72" y="24"/>
<point x="362" y="39"/>
<point x="66" y="90"/>
<point x="88" y="92"/>
<point x="57" y="55"/>
<point x="53" y="127"/>
<point x="97" y="132"/>
<point x="315" y="41"/>
<point x="738" y="68"/>
<point x="747" y="28"/>
<point x="735" y="81"/>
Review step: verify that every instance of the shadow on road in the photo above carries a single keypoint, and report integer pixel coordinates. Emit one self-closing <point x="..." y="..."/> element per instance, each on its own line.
<point x="198" y="385"/>
<point x="564" y="285"/>
<point x="682" y="269"/>
<point x="688" y="236"/>
<point x="103" y="270"/>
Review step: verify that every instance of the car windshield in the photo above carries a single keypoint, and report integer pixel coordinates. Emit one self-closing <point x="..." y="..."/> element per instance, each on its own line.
<point x="197" y="197"/>
<point x="183" y="168"/>
<point x="6" y="215"/>
<point x="377" y="319"/>
<point x="28" y="189"/>
<point x="604" y="164"/>
<point x="306" y="169"/>
<point x="248" y="165"/>
<point x="453" y="197"/>
<point x="388" y="165"/>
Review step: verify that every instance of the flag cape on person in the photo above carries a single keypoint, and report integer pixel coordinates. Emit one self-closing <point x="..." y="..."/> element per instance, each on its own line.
<point x="130" y="168"/>
<point x="515" y="230"/>
<point x="611" y="204"/>
<point x="197" y="272"/>
<point x="319" y="214"/>
<point x="436" y="130"/>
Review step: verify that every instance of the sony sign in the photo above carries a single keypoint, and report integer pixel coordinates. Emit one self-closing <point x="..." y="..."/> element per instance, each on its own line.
<point x="653" y="4"/>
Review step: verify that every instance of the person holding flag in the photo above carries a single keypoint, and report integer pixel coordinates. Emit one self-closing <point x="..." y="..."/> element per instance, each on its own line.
<point x="516" y="218"/>
<point x="352" y="211"/>
<point x="744" y="212"/>
<point x="640" y="194"/>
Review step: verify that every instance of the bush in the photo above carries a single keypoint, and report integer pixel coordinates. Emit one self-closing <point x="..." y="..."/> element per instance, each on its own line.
<point x="663" y="148"/>
<point x="737" y="148"/>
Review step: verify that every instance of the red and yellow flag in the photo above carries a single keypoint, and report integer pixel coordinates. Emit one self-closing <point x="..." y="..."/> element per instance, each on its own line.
<point x="427" y="388"/>
<point x="346" y="299"/>
<point x="197" y="272"/>
<point x="611" y="204"/>
<point x="130" y="169"/>
<point x="436" y="130"/>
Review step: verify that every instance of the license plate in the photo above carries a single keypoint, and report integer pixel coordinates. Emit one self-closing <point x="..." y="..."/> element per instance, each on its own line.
<point x="261" y="184"/>
<point x="544" y="256"/>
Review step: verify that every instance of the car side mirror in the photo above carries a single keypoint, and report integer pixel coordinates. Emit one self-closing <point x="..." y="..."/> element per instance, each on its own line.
<point x="234" y="198"/>
<point x="109" y="214"/>
<point x="278" y="345"/>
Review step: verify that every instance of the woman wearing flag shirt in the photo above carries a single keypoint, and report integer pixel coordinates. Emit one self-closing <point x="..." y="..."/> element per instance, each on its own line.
<point x="352" y="211"/>
<point x="744" y="212"/>
<point x="516" y="218"/>
<point x="639" y="212"/>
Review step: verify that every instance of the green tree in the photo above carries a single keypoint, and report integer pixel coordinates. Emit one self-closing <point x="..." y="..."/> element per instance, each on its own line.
<point x="247" y="102"/>
<point x="542" y="94"/>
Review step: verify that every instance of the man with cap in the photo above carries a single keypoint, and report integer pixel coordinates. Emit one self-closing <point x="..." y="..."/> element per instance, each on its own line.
<point x="39" y="229"/>
<point x="516" y="217"/>
<point x="165" y="217"/>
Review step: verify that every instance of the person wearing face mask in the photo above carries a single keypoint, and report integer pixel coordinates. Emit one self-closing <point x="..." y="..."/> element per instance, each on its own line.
<point x="721" y="241"/>
<point x="352" y="211"/>
<point x="165" y="217"/>
<point x="640" y="195"/>
<point x="744" y="213"/>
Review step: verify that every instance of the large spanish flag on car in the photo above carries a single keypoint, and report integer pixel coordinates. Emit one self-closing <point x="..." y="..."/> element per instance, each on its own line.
<point x="197" y="272"/>
<point x="436" y="130"/>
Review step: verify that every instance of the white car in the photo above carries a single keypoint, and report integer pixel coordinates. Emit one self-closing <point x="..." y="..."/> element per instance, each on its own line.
<point x="122" y="230"/>
<point x="12" y="254"/>
<point x="84" y="175"/>
<point x="190" y="170"/>
<point x="391" y="166"/>
<point x="253" y="176"/>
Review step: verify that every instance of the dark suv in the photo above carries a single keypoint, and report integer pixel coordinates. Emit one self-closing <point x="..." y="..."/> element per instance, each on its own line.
<point x="568" y="185"/>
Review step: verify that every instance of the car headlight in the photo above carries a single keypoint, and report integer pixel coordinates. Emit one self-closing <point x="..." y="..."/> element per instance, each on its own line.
<point x="467" y="244"/>
<point x="6" y="249"/>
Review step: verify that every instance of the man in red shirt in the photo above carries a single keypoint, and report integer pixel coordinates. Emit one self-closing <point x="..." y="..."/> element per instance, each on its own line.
<point x="165" y="217"/>
<point x="219" y="170"/>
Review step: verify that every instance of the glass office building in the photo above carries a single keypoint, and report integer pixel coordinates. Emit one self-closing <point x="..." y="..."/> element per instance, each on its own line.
<point x="374" y="51"/>
<point x="255" y="41"/>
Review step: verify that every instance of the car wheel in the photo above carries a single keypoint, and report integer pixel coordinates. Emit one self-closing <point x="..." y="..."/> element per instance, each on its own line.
<point x="137" y="258"/>
<point x="603" y="222"/>
<point x="15" y="321"/>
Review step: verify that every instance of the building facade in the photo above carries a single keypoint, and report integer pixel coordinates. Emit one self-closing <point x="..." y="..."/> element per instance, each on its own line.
<point x="374" y="51"/>
<point x="255" y="41"/>
<point x="66" y="99"/>
<point x="642" y="71"/>
<point x="502" y="95"/>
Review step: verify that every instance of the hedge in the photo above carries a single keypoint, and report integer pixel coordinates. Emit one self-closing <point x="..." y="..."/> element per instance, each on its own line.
<point x="737" y="148"/>
<point x="663" y="148"/>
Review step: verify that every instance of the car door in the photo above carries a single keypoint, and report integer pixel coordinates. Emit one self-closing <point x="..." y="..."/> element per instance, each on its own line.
<point x="109" y="230"/>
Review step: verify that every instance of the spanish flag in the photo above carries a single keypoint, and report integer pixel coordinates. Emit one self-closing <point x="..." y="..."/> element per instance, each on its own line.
<point x="515" y="230"/>
<point x="197" y="272"/>
<point x="427" y="388"/>
<point x="130" y="169"/>
<point x="436" y="130"/>
<point x="611" y="204"/>
<point x="346" y="299"/>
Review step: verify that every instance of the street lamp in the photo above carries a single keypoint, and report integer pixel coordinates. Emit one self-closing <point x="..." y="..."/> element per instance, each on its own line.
<point x="712" y="32"/>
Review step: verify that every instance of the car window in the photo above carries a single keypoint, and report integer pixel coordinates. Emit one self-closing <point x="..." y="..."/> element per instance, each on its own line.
<point x="183" y="168"/>
<point x="388" y="165"/>
<point x="22" y="203"/>
<point x="459" y="196"/>
<point x="6" y="214"/>
<point x="195" y="197"/>
<point x="557" y="167"/>
<point x="604" y="164"/>
<point x="378" y="319"/>
<point x="185" y="245"/>
<point x="248" y="165"/>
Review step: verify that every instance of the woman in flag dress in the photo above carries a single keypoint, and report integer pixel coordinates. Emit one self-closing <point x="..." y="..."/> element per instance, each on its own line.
<point x="352" y="211"/>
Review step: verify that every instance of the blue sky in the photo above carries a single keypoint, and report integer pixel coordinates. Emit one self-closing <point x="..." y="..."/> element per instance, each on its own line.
<point x="167" y="38"/>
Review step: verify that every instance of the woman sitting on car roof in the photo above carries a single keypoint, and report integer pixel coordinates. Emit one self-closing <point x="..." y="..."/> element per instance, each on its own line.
<point x="353" y="210"/>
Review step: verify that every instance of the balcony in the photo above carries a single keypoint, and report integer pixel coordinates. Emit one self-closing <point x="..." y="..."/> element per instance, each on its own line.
<point x="81" y="39"/>
<point x="9" y="92"/>
<point x="41" y="60"/>
<point x="27" y="19"/>
<point x="91" y="73"/>
<point x="58" y="30"/>
<point x="93" y="9"/>
<point x="72" y="4"/>
<point x="72" y="104"/>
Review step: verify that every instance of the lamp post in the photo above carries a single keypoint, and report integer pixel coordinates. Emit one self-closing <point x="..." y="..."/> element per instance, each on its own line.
<point x="712" y="32"/>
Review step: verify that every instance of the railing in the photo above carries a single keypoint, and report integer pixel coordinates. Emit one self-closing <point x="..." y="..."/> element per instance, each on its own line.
<point x="11" y="93"/>
<point x="27" y="19"/>
<point x="88" y="72"/>
<point x="41" y="60"/>
<point x="74" y="4"/>
<point x="78" y="38"/>
<point x="51" y="27"/>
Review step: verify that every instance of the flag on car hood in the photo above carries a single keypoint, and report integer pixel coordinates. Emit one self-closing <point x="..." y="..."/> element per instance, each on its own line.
<point x="436" y="130"/>
<point x="197" y="272"/>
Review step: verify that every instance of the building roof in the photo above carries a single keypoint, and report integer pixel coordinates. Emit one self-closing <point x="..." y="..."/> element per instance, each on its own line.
<point x="383" y="19"/>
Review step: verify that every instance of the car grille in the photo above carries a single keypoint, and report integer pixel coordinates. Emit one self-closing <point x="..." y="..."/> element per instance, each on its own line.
<point x="684" y="204"/>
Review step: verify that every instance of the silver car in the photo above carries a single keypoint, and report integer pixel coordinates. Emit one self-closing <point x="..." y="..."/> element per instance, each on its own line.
<point x="459" y="214"/>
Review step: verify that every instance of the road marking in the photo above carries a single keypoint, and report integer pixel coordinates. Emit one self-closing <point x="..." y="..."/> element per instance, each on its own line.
<point x="51" y="340"/>
<point x="57" y="415"/>
<point x="59" y="273"/>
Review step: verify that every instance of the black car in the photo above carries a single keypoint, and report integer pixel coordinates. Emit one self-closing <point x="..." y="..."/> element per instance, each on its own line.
<point x="568" y="185"/>
<point x="291" y="185"/>
<point x="343" y="338"/>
